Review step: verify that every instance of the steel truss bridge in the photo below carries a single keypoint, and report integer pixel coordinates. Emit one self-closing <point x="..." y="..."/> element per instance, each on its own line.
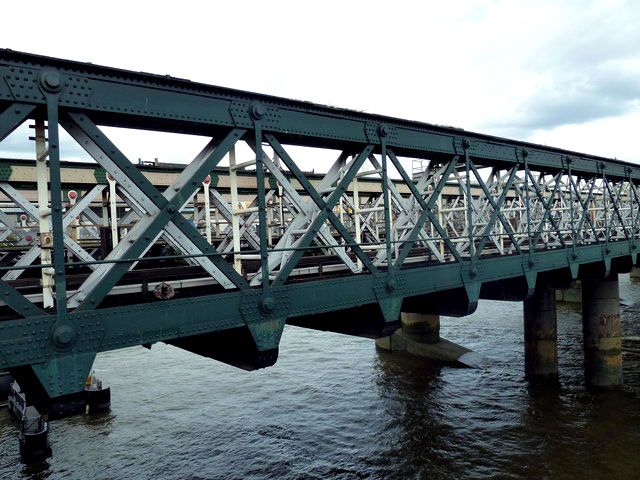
<point x="215" y="259"/>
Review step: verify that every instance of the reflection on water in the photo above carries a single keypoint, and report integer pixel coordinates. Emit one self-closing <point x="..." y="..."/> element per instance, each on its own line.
<point x="334" y="407"/>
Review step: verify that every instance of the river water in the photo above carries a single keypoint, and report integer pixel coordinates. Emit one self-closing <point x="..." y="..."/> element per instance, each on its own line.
<point x="335" y="408"/>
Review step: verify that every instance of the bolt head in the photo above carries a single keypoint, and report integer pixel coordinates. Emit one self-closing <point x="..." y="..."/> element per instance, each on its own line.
<point x="171" y="209"/>
<point x="383" y="130"/>
<point x="207" y="179"/>
<point x="267" y="304"/>
<point x="64" y="335"/>
<point x="465" y="144"/>
<point x="52" y="80"/>
<point x="258" y="111"/>
<point x="391" y="284"/>
<point x="72" y="195"/>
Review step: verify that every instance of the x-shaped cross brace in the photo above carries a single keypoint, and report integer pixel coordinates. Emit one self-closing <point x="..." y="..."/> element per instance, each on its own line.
<point x="161" y="210"/>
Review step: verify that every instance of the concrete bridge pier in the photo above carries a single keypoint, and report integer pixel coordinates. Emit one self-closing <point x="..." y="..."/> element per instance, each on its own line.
<point x="421" y="327"/>
<point x="419" y="335"/>
<point x="602" y="333"/>
<point x="541" y="333"/>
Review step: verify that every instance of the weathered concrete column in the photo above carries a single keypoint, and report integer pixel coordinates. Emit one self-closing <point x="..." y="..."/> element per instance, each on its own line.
<point x="570" y="295"/>
<point x="421" y="327"/>
<point x="420" y="336"/>
<point x="602" y="333"/>
<point x="541" y="333"/>
<point x="635" y="273"/>
<point x="416" y="329"/>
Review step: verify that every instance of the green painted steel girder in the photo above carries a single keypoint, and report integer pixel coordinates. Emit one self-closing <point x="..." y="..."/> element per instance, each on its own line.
<point x="59" y="347"/>
<point x="27" y="341"/>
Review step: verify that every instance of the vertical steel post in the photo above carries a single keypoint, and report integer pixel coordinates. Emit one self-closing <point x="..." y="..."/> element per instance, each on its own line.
<point x="72" y="195"/>
<point x="281" y="210"/>
<point x="573" y="226"/>
<point x="469" y="209"/>
<point x="270" y="223"/>
<point x="356" y="214"/>
<point x="441" y="221"/>
<point x="387" y="205"/>
<point x="235" y="221"/>
<point x="207" y="207"/>
<point x="341" y="206"/>
<point x="44" y="212"/>
<point x="56" y="207"/>
<point x="104" y="248"/>
<point x="262" y="214"/>
<point x="528" y="206"/>
<point x="634" y="218"/>
<point x="216" y="212"/>
<point x="543" y="189"/>
<point x="605" y="208"/>
<point x="113" y="210"/>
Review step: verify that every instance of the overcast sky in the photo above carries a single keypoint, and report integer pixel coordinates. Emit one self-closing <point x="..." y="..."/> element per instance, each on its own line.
<point x="564" y="73"/>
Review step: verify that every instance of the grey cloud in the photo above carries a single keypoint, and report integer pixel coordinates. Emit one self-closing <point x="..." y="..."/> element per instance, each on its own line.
<point x="578" y="99"/>
<point x="594" y="69"/>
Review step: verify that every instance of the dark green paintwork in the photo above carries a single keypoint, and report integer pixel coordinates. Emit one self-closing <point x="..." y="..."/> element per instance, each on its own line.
<point x="89" y="95"/>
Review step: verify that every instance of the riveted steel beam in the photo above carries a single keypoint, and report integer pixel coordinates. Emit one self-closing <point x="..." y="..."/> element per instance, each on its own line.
<point x="512" y="210"/>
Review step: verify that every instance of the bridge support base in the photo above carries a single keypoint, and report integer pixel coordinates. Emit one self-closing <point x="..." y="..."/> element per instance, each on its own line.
<point x="602" y="333"/>
<point x="420" y="336"/>
<point x="570" y="295"/>
<point x="541" y="333"/>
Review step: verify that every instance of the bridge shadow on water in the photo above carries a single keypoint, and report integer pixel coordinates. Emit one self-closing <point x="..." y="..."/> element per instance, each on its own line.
<point x="411" y="389"/>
